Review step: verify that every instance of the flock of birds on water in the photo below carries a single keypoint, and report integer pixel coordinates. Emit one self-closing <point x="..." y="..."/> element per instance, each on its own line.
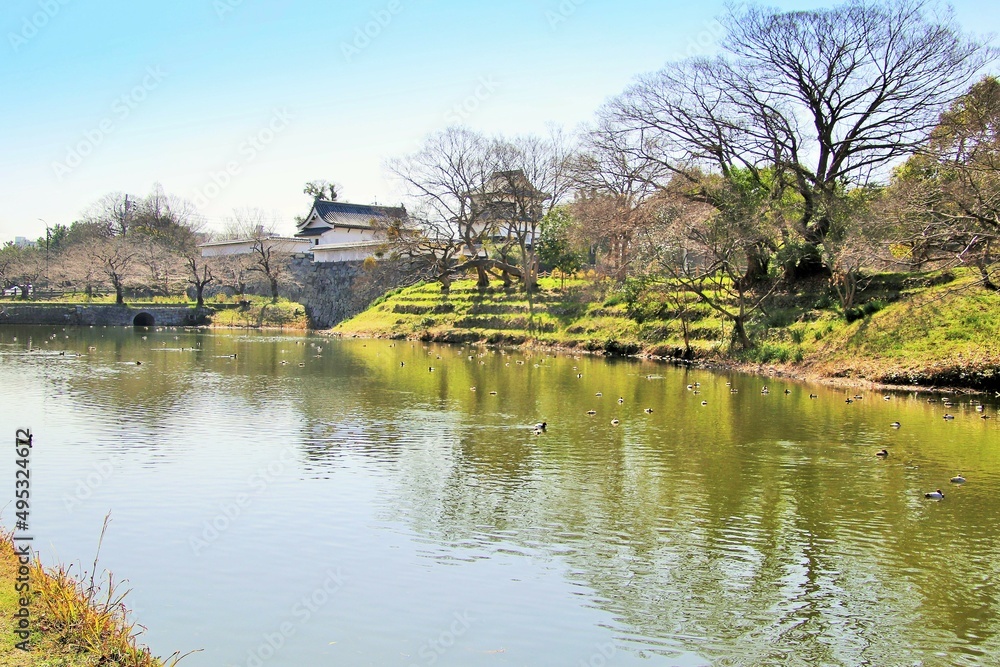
<point x="541" y="427"/>
<point x="695" y="388"/>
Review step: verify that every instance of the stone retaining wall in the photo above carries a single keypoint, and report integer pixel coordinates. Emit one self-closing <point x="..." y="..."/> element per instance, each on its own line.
<point x="119" y="316"/>
<point x="335" y="291"/>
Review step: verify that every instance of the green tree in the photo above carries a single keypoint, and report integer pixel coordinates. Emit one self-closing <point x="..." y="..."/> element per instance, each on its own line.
<point x="555" y="247"/>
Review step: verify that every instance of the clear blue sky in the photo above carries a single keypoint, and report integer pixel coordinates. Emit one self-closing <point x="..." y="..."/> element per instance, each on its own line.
<point x="235" y="103"/>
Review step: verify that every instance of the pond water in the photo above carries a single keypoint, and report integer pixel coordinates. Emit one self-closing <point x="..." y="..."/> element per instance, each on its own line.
<point x="293" y="500"/>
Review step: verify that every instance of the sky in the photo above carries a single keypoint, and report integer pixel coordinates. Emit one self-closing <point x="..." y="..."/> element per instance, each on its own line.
<point x="238" y="103"/>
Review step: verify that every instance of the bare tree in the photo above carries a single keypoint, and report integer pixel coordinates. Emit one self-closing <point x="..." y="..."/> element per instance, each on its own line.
<point x="826" y="98"/>
<point x="79" y="268"/>
<point x="113" y="213"/>
<point x="199" y="276"/>
<point x="477" y="201"/>
<point x="613" y="180"/>
<point x="269" y="255"/>
<point x="23" y="267"/>
<point x="704" y="250"/>
<point x="425" y="246"/>
<point x="960" y="167"/>
<point x="117" y="259"/>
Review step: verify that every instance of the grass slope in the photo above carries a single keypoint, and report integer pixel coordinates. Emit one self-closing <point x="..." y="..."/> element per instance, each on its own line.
<point x="928" y="329"/>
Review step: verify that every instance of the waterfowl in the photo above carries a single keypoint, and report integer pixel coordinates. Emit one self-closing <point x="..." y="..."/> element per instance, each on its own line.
<point x="949" y="417"/>
<point x="985" y="417"/>
<point x="598" y="394"/>
<point x="848" y="401"/>
<point x="704" y="402"/>
<point x="895" y="424"/>
<point x="979" y="408"/>
<point x="882" y="454"/>
<point x="648" y="410"/>
<point x="858" y="397"/>
<point x="615" y="422"/>
<point x="958" y="479"/>
<point x="887" y="398"/>
<point x="591" y="412"/>
<point x="472" y="388"/>
<point x="935" y="495"/>
<point x="430" y="369"/>
<point x="813" y="396"/>
<point x="402" y="363"/>
<point x="788" y="391"/>
<point x="621" y="399"/>
<point x="493" y="393"/>
<point x="540" y="426"/>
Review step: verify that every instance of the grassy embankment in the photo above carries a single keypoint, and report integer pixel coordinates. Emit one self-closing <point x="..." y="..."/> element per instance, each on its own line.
<point x="72" y="624"/>
<point x="929" y="329"/>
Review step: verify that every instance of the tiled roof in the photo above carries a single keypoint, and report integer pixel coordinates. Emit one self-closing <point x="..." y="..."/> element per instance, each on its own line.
<point x="358" y="216"/>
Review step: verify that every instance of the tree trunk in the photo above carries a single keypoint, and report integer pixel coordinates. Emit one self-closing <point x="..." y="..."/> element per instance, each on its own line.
<point x="740" y="334"/>
<point x="119" y="295"/>
<point x="199" y="290"/>
<point x="274" y="290"/>
<point x="758" y="264"/>
<point x="984" y="271"/>
<point x="483" y="278"/>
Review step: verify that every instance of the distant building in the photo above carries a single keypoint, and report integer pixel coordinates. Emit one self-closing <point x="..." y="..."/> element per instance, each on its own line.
<point x="22" y="242"/>
<point x="510" y="206"/>
<point x="332" y="232"/>
<point x="246" y="246"/>
<point x="342" y="232"/>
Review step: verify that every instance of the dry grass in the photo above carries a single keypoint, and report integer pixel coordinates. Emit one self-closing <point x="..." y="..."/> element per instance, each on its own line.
<point x="75" y="622"/>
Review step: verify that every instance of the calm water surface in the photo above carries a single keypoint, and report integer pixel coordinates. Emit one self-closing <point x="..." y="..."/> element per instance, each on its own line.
<point x="316" y="502"/>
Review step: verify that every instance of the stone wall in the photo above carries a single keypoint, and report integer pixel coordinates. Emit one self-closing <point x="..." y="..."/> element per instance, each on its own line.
<point x="28" y="313"/>
<point x="335" y="291"/>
